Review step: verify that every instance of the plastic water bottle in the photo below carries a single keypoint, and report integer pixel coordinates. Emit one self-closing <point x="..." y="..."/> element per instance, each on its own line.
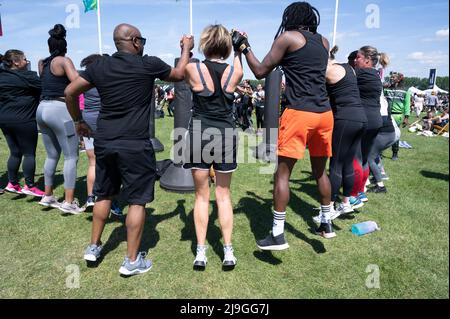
<point x="364" y="228"/>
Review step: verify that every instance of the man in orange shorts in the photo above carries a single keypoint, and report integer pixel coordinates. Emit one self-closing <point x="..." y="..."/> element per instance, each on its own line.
<point x="308" y="120"/>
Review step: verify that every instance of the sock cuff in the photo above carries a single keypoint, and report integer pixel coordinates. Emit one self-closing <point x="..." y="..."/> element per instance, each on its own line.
<point x="279" y="215"/>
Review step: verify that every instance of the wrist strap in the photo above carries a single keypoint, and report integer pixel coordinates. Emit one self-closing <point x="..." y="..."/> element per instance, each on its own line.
<point x="246" y="50"/>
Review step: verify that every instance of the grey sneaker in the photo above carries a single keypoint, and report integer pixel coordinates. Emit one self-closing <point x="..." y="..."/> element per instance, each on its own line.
<point x="200" y="259"/>
<point x="92" y="252"/>
<point x="71" y="208"/>
<point x="333" y="215"/>
<point x="229" y="260"/>
<point x="90" y="202"/>
<point x="140" y="265"/>
<point x="344" y="208"/>
<point x="50" y="201"/>
<point x="272" y="242"/>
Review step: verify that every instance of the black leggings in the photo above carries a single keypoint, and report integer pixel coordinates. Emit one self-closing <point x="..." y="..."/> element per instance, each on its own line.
<point x="367" y="143"/>
<point x="22" y="141"/>
<point x="259" y="117"/>
<point x="346" y="139"/>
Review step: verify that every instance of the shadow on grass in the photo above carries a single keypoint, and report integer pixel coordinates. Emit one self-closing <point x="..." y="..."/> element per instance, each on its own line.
<point x="150" y="236"/>
<point x="434" y="175"/>
<point x="259" y="212"/>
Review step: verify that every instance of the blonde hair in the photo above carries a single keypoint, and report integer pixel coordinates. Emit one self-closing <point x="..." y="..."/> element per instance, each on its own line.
<point x="372" y="54"/>
<point x="215" y="40"/>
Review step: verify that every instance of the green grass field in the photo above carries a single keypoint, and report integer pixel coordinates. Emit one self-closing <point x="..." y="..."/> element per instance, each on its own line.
<point x="40" y="248"/>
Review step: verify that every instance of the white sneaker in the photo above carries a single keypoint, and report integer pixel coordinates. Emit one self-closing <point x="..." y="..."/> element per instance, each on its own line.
<point x="71" y="208"/>
<point x="49" y="201"/>
<point x="229" y="260"/>
<point x="344" y="208"/>
<point x="333" y="215"/>
<point x="200" y="259"/>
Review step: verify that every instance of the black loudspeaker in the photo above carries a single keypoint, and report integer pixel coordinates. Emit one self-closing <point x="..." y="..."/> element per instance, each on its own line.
<point x="176" y="178"/>
<point x="267" y="150"/>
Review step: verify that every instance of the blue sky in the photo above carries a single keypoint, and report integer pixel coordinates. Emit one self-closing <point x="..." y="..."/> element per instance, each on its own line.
<point x="414" y="33"/>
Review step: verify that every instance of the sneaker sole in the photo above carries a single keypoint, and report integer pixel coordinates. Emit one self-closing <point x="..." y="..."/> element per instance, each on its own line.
<point x="274" y="247"/>
<point x="67" y="211"/>
<point x="90" y="258"/>
<point x="229" y="263"/>
<point x="126" y="272"/>
<point x="31" y="193"/>
<point x="326" y="235"/>
<point x="358" y="205"/>
<point x="49" y="205"/>
<point x="13" y="191"/>
<point x="200" y="264"/>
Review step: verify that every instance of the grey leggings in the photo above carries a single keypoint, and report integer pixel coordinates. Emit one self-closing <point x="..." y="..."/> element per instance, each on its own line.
<point x="58" y="133"/>
<point x="382" y="142"/>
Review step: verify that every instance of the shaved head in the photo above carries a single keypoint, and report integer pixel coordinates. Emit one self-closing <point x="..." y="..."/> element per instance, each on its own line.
<point x="123" y="34"/>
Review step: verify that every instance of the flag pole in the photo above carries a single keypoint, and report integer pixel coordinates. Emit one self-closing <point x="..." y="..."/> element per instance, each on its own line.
<point x="335" y="22"/>
<point x="190" y="16"/>
<point x="99" y="28"/>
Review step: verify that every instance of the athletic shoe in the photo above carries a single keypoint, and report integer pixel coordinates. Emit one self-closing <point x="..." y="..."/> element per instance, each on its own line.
<point x="139" y="266"/>
<point x="395" y="157"/>
<point x="14" y="188"/>
<point x="377" y="189"/>
<point x="362" y="196"/>
<point x="273" y="242"/>
<point x="92" y="252"/>
<point x="384" y="177"/>
<point x="71" y="208"/>
<point x="115" y="209"/>
<point x="333" y="215"/>
<point x="90" y="201"/>
<point x="50" y="201"/>
<point x="229" y="260"/>
<point x="326" y="230"/>
<point x="356" y="202"/>
<point x="344" y="208"/>
<point x="200" y="259"/>
<point x="33" y="191"/>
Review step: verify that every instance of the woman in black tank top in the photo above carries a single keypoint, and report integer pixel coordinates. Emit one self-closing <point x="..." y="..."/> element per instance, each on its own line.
<point x="55" y="122"/>
<point x="350" y="123"/>
<point x="213" y="83"/>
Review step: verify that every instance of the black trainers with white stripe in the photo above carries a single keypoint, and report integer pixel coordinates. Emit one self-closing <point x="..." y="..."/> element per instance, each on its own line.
<point x="326" y="230"/>
<point x="273" y="242"/>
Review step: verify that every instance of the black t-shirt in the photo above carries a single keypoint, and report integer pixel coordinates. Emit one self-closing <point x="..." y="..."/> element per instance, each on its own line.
<point x="19" y="95"/>
<point x="125" y="84"/>
<point x="370" y="88"/>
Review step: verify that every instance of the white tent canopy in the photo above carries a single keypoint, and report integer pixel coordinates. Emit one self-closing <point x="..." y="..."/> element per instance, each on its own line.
<point x="414" y="90"/>
<point x="435" y="89"/>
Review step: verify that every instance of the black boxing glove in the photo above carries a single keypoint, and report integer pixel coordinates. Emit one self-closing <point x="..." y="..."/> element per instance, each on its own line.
<point x="240" y="42"/>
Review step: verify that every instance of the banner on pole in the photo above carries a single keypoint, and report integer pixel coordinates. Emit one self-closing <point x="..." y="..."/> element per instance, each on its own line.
<point x="432" y="79"/>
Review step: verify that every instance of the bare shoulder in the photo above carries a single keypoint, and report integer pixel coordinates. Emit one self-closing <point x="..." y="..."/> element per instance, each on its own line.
<point x="326" y="43"/>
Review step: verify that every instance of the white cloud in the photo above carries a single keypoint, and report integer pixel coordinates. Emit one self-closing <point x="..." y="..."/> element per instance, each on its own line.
<point x="442" y="33"/>
<point x="343" y="35"/>
<point x="434" y="58"/>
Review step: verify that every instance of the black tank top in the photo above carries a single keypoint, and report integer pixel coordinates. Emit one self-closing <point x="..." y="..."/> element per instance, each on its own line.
<point x="370" y="88"/>
<point x="214" y="109"/>
<point x="52" y="86"/>
<point x="344" y="97"/>
<point x="305" y="71"/>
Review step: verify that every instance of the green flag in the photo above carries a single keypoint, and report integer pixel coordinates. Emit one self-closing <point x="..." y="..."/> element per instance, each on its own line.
<point x="89" y="5"/>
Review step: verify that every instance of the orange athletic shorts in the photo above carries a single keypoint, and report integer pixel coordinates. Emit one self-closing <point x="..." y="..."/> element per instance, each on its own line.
<point x="299" y="129"/>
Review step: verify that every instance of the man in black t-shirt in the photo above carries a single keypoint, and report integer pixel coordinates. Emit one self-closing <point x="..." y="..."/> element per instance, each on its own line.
<point x="124" y="154"/>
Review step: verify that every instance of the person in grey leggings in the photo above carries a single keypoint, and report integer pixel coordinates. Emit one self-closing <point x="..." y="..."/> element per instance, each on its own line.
<point x="55" y="122"/>
<point x="385" y="138"/>
<point x="58" y="134"/>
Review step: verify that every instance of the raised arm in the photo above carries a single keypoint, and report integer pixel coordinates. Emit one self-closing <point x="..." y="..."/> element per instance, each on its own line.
<point x="177" y="73"/>
<point x="272" y="59"/>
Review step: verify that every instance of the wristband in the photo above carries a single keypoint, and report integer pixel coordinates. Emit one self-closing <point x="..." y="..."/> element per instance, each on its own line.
<point x="79" y="121"/>
<point x="246" y="50"/>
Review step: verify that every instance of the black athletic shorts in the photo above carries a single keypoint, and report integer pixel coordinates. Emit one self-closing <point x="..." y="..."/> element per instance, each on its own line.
<point x="219" y="151"/>
<point x="127" y="163"/>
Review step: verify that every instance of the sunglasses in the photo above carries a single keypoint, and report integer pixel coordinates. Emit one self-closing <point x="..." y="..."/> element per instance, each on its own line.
<point x="143" y="40"/>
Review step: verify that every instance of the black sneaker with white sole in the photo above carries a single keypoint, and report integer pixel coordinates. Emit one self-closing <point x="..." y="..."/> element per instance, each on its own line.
<point x="273" y="242"/>
<point x="326" y="230"/>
